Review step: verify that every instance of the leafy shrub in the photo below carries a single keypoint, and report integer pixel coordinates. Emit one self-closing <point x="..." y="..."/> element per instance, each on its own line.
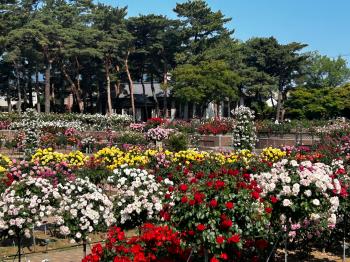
<point x="177" y="142"/>
<point x="132" y="138"/>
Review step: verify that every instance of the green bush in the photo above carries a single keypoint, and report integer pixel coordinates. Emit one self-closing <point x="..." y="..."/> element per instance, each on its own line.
<point x="177" y="142"/>
<point x="132" y="138"/>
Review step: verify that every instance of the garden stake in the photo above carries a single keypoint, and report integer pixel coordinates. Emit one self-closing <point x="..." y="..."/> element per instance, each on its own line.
<point x="273" y="248"/>
<point x="206" y="255"/>
<point x="34" y="239"/>
<point x="19" y="246"/>
<point x="344" y="238"/>
<point x="285" y="249"/>
<point x="188" y="259"/>
<point x="84" y="246"/>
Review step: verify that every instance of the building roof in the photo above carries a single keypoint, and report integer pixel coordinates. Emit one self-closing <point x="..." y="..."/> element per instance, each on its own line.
<point x="138" y="90"/>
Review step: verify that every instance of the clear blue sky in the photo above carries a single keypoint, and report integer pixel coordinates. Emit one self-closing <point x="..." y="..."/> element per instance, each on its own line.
<point x="322" y="24"/>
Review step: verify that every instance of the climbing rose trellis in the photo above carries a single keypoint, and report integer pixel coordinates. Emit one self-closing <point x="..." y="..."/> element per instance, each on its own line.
<point x="244" y="133"/>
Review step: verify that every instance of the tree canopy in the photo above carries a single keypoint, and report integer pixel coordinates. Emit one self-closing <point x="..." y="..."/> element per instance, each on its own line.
<point x="87" y="51"/>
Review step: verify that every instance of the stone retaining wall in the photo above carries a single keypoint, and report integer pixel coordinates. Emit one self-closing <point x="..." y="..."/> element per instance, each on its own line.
<point x="220" y="141"/>
<point x="264" y="140"/>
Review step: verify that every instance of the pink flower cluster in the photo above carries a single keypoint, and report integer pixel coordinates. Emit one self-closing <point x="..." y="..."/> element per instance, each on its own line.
<point x="158" y="133"/>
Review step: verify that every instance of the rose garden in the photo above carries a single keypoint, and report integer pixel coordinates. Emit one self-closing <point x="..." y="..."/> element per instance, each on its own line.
<point x="154" y="131"/>
<point x="150" y="195"/>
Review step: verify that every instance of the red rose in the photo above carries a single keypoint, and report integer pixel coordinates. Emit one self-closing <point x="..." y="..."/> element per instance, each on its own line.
<point x="167" y="196"/>
<point x="121" y="259"/>
<point x="255" y="195"/>
<point x="165" y="215"/>
<point x="209" y="183"/>
<point x="219" y="184"/>
<point x="227" y="223"/>
<point x="192" y="202"/>
<point x="184" y="199"/>
<point x="186" y="171"/>
<point x="97" y="249"/>
<point x="229" y="205"/>
<point x="220" y="239"/>
<point x="234" y="239"/>
<point x="213" y="203"/>
<point x="261" y="244"/>
<point x="224" y="256"/>
<point x="201" y="227"/>
<point x="191" y="232"/>
<point x="194" y="180"/>
<point x="273" y="199"/>
<point x="246" y="176"/>
<point x="199" y="197"/>
<point x="268" y="210"/>
<point x="233" y="172"/>
<point x="171" y="189"/>
<point x="183" y="187"/>
<point x="214" y="259"/>
<point x="200" y="175"/>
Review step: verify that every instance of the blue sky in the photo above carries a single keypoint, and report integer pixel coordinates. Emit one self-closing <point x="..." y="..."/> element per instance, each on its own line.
<point x="322" y="24"/>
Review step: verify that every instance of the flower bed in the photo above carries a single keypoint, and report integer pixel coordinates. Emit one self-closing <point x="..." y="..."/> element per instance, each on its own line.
<point x="222" y="206"/>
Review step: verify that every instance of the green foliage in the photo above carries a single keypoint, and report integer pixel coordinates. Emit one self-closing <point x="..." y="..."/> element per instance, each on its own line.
<point x="208" y="81"/>
<point x="322" y="71"/>
<point x="201" y="28"/>
<point x="316" y="103"/>
<point x="177" y="142"/>
<point x="132" y="138"/>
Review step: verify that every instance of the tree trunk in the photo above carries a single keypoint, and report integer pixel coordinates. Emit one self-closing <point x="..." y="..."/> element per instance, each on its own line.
<point x="8" y="98"/>
<point x="144" y="97"/>
<point x="19" y="104"/>
<point x="165" y="86"/>
<point x="131" y="86"/>
<point x="279" y="105"/>
<point x="186" y="111"/>
<point x="30" y="91"/>
<point x="272" y="100"/>
<point x="47" y="86"/>
<point x="37" y="90"/>
<point x="154" y="96"/>
<point x="108" y="79"/>
<point x="79" y="92"/>
<point x="74" y="90"/>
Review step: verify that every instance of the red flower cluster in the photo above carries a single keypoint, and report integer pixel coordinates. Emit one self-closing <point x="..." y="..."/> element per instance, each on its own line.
<point x="155" y="121"/>
<point x="214" y="128"/>
<point x="149" y="246"/>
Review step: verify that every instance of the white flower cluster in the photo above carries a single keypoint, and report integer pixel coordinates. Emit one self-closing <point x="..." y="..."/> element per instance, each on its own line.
<point x="305" y="190"/>
<point x="26" y="203"/>
<point x="139" y="196"/>
<point x="77" y="121"/>
<point x="83" y="208"/>
<point x="88" y="141"/>
<point x="158" y="133"/>
<point x="244" y="133"/>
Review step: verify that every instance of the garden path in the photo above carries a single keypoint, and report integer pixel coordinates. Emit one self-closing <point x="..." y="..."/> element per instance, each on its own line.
<point x="66" y="255"/>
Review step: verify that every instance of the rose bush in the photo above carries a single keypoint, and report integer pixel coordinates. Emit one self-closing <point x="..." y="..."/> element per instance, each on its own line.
<point x="155" y="243"/>
<point x="26" y="203"/>
<point x="305" y="196"/>
<point x="219" y="211"/>
<point x="83" y="209"/>
<point x="138" y="197"/>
